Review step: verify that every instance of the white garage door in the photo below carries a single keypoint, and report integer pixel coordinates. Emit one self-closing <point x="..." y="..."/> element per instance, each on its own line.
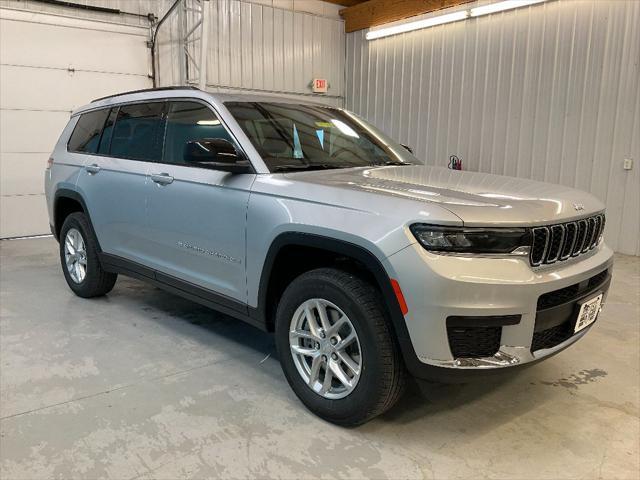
<point x="49" y="65"/>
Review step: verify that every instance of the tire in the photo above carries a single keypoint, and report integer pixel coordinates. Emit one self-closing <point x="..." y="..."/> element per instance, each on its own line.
<point x="95" y="282"/>
<point x="382" y="374"/>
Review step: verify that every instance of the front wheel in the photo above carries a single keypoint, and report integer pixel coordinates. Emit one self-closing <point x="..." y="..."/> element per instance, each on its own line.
<point x="336" y="348"/>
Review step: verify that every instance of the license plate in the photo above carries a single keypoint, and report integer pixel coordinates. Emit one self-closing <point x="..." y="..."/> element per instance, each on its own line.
<point x="588" y="312"/>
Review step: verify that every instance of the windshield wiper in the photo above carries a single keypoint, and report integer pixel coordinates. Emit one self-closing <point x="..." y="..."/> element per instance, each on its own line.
<point x="390" y="162"/>
<point x="308" y="166"/>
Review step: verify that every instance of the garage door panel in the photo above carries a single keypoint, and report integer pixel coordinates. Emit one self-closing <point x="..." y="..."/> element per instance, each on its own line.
<point x="83" y="49"/>
<point x="31" y="88"/>
<point x="38" y="94"/>
<point x="23" y="215"/>
<point x="22" y="173"/>
<point x="30" y="131"/>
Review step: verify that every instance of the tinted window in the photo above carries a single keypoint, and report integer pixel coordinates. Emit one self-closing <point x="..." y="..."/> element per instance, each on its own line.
<point x="189" y="122"/>
<point x="105" y="140"/>
<point x="86" y="135"/>
<point x="296" y="137"/>
<point x="138" y="132"/>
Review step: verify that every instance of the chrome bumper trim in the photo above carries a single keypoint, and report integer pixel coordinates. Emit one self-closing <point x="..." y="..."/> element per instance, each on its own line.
<point x="507" y="356"/>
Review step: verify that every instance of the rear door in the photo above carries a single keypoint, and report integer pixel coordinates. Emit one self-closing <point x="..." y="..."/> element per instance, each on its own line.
<point x="114" y="182"/>
<point x="197" y="215"/>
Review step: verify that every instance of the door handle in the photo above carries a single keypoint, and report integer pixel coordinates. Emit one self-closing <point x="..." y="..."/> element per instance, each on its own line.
<point x="92" y="169"/>
<point x="162" y="178"/>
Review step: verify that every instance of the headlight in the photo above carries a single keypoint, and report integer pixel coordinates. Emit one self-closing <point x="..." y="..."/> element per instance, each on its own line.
<point x="471" y="240"/>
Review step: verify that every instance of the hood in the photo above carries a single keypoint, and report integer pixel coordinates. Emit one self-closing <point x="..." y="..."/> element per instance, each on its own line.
<point x="476" y="198"/>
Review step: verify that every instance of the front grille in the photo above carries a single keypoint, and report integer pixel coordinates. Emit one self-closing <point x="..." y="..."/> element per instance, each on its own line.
<point x="559" y="242"/>
<point x="551" y="337"/>
<point x="474" y="342"/>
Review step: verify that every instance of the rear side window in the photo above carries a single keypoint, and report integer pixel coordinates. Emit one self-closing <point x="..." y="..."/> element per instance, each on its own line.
<point x="189" y="122"/>
<point x="86" y="135"/>
<point x="138" y="132"/>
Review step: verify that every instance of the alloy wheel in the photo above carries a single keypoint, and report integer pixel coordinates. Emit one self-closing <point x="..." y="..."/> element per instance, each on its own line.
<point x="75" y="255"/>
<point x="325" y="348"/>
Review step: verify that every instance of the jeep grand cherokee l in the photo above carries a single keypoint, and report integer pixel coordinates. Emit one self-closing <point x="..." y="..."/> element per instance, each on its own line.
<point x="307" y="221"/>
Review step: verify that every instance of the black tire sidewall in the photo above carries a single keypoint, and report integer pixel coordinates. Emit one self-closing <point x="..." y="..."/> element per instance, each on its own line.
<point x="353" y="408"/>
<point x="87" y="287"/>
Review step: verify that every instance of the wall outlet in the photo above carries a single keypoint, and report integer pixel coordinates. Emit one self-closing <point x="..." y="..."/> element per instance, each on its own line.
<point x="627" y="164"/>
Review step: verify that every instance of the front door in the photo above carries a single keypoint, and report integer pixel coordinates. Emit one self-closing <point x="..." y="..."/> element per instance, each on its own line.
<point x="197" y="215"/>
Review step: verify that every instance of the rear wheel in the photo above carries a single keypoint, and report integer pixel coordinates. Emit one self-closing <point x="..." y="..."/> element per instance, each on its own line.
<point x="79" y="258"/>
<point x="336" y="349"/>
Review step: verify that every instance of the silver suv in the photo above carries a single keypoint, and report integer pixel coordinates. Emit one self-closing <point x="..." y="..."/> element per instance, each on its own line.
<point x="308" y="222"/>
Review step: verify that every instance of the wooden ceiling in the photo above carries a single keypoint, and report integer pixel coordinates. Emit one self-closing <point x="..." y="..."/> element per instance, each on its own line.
<point x="361" y="14"/>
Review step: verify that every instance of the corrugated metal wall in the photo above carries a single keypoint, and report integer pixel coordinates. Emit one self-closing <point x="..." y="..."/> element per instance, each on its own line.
<point x="549" y="92"/>
<point x="258" y="48"/>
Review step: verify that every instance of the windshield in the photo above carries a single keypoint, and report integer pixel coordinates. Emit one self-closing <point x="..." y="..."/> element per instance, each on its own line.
<point x="292" y="137"/>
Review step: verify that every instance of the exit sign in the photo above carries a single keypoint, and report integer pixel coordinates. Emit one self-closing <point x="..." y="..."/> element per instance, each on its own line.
<point x="319" y="85"/>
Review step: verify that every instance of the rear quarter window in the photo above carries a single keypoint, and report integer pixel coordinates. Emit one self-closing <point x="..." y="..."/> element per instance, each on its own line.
<point x="86" y="135"/>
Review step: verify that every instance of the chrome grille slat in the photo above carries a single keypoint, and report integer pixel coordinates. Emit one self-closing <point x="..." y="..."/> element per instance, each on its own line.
<point x="555" y="243"/>
<point x="582" y="230"/>
<point x="588" y="235"/>
<point x="539" y="248"/>
<point x="596" y="233"/>
<point x="569" y="240"/>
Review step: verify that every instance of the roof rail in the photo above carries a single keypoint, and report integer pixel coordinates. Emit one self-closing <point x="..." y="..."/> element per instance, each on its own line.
<point x="144" y="90"/>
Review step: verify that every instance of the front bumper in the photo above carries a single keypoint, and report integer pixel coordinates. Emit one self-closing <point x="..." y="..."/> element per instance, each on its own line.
<point x="439" y="287"/>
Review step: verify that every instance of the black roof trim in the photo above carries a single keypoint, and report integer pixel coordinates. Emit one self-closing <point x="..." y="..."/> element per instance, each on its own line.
<point x="144" y="90"/>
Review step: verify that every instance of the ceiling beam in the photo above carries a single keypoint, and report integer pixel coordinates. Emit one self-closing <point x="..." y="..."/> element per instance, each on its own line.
<point x="378" y="12"/>
<point x="345" y="3"/>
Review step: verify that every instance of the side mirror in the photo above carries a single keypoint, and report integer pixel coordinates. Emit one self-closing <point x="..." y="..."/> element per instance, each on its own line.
<point x="408" y="148"/>
<point x="216" y="154"/>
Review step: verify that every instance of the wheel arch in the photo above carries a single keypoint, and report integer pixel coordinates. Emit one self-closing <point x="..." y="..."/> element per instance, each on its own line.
<point x="340" y="248"/>
<point x="65" y="202"/>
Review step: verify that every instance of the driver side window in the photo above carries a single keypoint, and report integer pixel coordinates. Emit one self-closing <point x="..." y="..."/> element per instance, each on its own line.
<point x="191" y="126"/>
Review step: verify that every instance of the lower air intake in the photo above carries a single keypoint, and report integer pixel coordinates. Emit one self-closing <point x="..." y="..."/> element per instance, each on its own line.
<point x="474" y="342"/>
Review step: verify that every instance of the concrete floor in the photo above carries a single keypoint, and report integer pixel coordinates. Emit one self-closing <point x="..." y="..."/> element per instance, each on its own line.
<point x="142" y="384"/>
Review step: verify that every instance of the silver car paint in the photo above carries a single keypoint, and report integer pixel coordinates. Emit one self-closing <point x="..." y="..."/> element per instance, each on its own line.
<point x="370" y="207"/>
<point x="116" y="199"/>
<point x="445" y="285"/>
<point x="196" y="228"/>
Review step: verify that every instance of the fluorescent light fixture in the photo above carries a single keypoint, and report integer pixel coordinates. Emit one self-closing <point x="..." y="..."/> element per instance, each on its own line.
<point x="449" y="17"/>
<point x="208" y="122"/>
<point x="501" y="6"/>
<point x="417" y="25"/>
